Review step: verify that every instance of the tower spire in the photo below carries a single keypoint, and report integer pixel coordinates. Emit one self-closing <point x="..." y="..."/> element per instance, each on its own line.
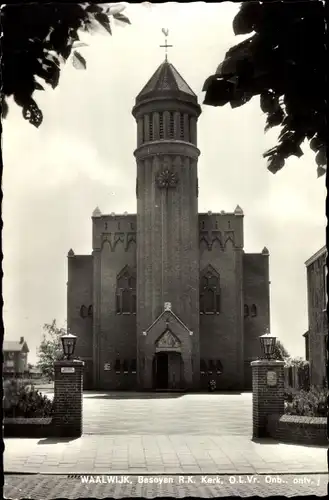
<point x="165" y="31"/>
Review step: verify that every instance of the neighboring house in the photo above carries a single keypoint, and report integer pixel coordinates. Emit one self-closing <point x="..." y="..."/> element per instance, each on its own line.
<point x="15" y="356"/>
<point x="35" y="373"/>
<point x="317" y="335"/>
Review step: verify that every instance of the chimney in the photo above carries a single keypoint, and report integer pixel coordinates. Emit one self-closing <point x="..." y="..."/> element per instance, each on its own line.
<point x="21" y="340"/>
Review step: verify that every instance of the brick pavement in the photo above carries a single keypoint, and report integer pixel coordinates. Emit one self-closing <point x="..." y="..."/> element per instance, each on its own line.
<point x="51" y="487"/>
<point x="143" y="433"/>
<point x="160" y="454"/>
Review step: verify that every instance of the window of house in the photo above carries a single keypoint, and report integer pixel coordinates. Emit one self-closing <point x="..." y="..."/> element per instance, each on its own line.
<point x="246" y="310"/>
<point x="90" y="311"/>
<point x="171" y="125"/>
<point x="83" y="311"/>
<point x="125" y="366"/>
<point x="324" y="287"/>
<point x="253" y="310"/>
<point x="210" y="292"/>
<point x="126" y="292"/>
<point x="133" y="366"/>
<point x="161" y="129"/>
<point x="203" y="366"/>
<point x="117" y="366"/>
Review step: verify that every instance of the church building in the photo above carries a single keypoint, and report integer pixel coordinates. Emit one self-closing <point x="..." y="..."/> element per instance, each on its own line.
<point x="168" y="299"/>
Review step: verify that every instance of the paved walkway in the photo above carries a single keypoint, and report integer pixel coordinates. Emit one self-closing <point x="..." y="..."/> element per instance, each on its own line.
<point x="51" y="487"/>
<point x="160" y="454"/>
<point x="162" y="434"/>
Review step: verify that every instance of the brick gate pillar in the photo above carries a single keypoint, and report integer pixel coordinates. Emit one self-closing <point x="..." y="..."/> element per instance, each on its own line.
<point x="267" y="393"/>
<point x="68" y="397"/>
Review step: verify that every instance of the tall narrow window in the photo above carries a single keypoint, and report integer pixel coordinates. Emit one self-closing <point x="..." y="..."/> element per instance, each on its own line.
<point x="211" y="366"/>
<point x="117" y="366"/>
<point x="133" y="366"/>
<point x="324" y="287"/>
<point x="151" y="128"/>
<point x="83" y="311"/>
<point x="209" y="292"/>
<point x="125" y="366"/>
<point x="246" y="310"/>
<point x="181" y="126"/>
<point x="161" y="130"/>
<point x="171" y="125"/>
<point x="203" y="367"/>
<point x="126" y="292"/>
<point x="90" y="311"/>
<point x="219" y="366"/>
<point x="253" y="310"/>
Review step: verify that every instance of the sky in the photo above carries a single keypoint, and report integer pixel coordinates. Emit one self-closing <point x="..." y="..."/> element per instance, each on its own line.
<point x="82" y="157"/>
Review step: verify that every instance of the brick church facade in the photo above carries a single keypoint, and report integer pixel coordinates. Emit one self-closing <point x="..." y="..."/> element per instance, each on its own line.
<point x="168" y="299"/>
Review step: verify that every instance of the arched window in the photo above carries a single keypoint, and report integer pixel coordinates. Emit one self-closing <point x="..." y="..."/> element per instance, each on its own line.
<point x="117" y="366"/>
<point x="209" y="292"/>
<point x="150" y="128"/>
<point x="161" y="130"/>
<point x="126" y="292"/>
<point x="125" y="366"/>
<point x="83" y="312"/>
<point x="171" y="125"/>
<point x="181" y="126"/>
<point x="203" y="367"/>
<point x="90" y="311"/>
<point x="246" y="310"/>
<point x="253" y="310"/>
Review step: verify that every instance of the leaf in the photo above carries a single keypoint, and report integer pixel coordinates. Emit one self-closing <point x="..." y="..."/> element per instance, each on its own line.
<point x="37" y="86"/>
<point x="244" y="21"/>
<point x="115" y="9"/>
<point x="4" y="108"/>
<point x="78" y="61"/>
<point x="268" y="102"/>
<point x="104" y="21"/>
<point x="121" y="18"/>
<point x="315" y="144"/>
<point x="32" y="113"/>
<point x="321" y="158"/>
<point x="274" y="119"/>
<point x="239" y="100"/>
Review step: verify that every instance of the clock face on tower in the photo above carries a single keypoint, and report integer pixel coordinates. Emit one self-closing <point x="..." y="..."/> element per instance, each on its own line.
<point x="166" y="179"/>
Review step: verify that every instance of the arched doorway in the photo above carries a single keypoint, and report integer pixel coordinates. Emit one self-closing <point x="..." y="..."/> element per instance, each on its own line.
<point x="160" y="370"/>
<point x="168" y="371"/>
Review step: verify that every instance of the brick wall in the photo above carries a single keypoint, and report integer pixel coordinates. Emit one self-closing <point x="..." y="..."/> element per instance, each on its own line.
<point x="68" y="397"/>
<point x="297" y="429"/>
<point x="221" y="335"/>
<point x="255" y="291"/>
<point x="79" y="293"/>
<point x="266" y="400"/>
<point x="117" y="332"/>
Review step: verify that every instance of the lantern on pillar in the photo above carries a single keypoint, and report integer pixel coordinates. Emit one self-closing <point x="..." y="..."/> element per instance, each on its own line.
<point x="267" y="342"/>
<point x="68" y="344"/>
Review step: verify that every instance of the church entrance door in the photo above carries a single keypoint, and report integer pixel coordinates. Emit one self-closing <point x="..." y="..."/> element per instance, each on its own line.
<point x="160" y="370"/>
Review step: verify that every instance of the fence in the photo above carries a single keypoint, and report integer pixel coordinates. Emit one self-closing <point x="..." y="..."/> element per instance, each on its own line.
<point x="297" y="376"/>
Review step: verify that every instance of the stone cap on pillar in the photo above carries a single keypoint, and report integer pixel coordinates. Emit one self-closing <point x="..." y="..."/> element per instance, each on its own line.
<point x="267" y="362"/>
<point x="69" y="362"/>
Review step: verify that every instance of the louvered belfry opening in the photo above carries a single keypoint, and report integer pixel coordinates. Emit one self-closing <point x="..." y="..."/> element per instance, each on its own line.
<point x="166" y="121"/>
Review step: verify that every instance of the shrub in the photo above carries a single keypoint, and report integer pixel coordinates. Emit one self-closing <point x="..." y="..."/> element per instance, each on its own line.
<point x="312" y="403"/>
<point x="21" y="399"/>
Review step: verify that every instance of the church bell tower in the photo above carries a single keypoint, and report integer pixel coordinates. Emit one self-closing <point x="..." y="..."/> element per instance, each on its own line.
<point x="166" y="112"/>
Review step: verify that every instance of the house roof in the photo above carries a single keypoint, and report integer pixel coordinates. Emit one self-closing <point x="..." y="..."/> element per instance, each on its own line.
<point x="315" y="256"/>
<point x="15" y="345"/>
<point x="165" y="80"/>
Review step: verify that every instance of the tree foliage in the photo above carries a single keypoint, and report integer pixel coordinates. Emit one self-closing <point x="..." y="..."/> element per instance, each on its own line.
<point x="37" y="39"/>
<point x="280" y="352"/>
<point x="284" y="63"/>
<point x="50" y="349"/>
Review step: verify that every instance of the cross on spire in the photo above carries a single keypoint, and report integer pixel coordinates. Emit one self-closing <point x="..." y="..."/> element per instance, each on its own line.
<point x="166" y="46"/>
